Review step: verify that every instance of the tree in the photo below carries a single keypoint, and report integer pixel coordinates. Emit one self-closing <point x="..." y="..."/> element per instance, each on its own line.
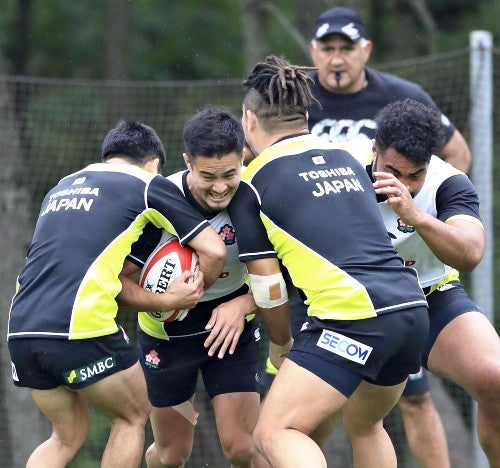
<point x="23" y="427"/>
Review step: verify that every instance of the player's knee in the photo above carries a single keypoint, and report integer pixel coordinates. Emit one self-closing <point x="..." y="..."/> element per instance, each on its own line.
<point x="70" y="442"/>
<point x="74" y="435"/>
<point x="139" y="416"/>
<point x="415" y="403"/>
<point x="239" y="451"/>
<point x="262" y="437"/>
<point x="174" y="455"/>
<point x="487" y="394"/>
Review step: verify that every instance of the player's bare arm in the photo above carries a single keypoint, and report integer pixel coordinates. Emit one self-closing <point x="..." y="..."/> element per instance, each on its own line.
<point x="271" y="298"/>
<point x="457" y="152"/>
<point x="212" y="254"/>
<point x="457" y="242"/>
<point x="227" y="323"/>
<point x="178" y="295"/>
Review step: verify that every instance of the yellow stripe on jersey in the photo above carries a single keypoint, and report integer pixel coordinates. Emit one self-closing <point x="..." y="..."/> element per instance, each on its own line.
<point x="452" y="275"/>
<point x="102" y="276"/>
<point x="151" y="326"/>
<point x="331" y="293"/>
<point x="283" y="148"/>
<point x="470" y="219"/>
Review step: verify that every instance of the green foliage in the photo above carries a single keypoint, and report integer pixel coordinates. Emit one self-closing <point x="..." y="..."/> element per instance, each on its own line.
<point x="200" y="39"/>
<point x="186" y="40"/>
<point x="449" y="11"/>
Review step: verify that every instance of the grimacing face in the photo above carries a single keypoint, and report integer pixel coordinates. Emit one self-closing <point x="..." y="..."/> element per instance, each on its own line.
<point x="214" y="181"/>
<point x="340" y="62"/>
<point x="408" y="173"/>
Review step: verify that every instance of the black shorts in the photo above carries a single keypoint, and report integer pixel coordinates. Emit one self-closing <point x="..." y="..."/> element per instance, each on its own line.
<point x="445" y="304"/>
<point x="382" y="350"/>
<point x="46" y="363"/>
<point x="171" y="366"/>
<point x="418" y="383"/>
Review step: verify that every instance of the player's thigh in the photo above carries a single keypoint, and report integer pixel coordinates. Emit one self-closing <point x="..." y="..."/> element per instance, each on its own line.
<point x="467" y="351"/>
<point x="321" y="434"/>
<point x="299" y="399"/>
<point x="369" y="404"/>
<point x="236" y="414"/>
<point x="121" y="395"/>
<point x="66" y="410"/>
<point x="171" y="428"/>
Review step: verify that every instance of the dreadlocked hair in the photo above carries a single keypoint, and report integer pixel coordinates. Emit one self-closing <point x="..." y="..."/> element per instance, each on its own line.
<point x="279" y="91"/>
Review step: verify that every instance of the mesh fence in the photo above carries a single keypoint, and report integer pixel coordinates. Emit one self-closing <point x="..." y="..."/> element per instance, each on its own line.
<point x="49" y="128"/>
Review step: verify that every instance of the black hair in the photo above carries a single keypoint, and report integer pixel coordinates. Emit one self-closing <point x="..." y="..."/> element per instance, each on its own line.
<point x="413" y="129"/>
<point x="279" y="92"/>
<point x="133" y="141"/>
<point x="213" y="132"/>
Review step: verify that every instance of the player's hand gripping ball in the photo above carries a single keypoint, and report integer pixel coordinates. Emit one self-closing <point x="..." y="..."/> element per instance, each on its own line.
<point x="166" y="263"/>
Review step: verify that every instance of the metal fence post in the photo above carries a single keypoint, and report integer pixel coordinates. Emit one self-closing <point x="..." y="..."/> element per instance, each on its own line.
<point x="481" y="96"/>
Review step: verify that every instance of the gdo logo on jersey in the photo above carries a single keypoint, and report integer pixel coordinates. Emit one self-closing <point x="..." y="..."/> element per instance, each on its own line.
<point x="344" y="346"/>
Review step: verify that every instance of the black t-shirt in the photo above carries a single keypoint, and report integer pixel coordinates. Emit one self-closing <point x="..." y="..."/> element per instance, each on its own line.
<point x="351" y="116"/>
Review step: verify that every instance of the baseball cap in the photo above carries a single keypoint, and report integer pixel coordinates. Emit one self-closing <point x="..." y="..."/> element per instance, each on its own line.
<point x="340" y="20"/>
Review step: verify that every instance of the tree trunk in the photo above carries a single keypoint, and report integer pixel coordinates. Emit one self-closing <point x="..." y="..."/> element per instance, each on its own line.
<point x="116" y="55"/>
<point x="22" y="426"/>
<point x="255" y="39"/>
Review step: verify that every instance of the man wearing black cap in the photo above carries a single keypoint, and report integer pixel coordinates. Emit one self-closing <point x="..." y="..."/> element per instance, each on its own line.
<point x="351" y="93"/>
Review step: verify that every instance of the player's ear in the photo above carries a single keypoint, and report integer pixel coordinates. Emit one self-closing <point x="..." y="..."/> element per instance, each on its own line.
<point x="313" y="45"/>
<point x="367" y="47"/>
<point x="251" y="120"/>
<point x="187" y="161"/>
<point x="153" y="165"/>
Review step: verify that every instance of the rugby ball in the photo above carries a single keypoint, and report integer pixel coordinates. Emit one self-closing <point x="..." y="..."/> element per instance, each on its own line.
<point x="166" y="263"/>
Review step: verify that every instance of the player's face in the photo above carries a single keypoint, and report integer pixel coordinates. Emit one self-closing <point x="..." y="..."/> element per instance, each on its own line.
<point x="341" y="63"/>
<point x="408" y="173"/>
<point x="213" y="181"/>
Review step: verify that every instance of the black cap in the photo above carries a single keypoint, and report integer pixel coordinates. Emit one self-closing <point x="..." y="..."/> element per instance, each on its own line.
<point x="339" y="20"/>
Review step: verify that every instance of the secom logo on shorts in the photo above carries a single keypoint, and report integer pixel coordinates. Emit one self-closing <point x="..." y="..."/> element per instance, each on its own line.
<point x="88" y="371"/>
<point x="344" y="346"/>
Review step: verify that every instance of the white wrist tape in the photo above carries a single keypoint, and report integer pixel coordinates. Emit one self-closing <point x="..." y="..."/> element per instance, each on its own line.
<point x="278" y="353"/>
<point x="268" y="291"/>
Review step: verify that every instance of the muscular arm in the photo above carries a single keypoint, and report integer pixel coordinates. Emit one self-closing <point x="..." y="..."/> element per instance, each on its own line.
<point x="456" y="152"/>
<point x="276" y="319"/>
<point x="212" y="252"/>
<point x="457" y="242"/>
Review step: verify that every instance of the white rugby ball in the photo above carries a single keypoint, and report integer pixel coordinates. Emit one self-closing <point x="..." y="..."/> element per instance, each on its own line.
<point x="166" y="263"/>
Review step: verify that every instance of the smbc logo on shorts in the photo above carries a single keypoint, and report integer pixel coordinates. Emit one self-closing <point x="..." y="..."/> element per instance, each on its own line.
<point x="90" y="370"/>
<point x="344" y="346"/>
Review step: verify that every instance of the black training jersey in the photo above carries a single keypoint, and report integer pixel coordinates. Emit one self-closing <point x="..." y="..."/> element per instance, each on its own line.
<point x="314" y="206"/>
<point x="86" y="226"/>
<point x="344" y="117"/>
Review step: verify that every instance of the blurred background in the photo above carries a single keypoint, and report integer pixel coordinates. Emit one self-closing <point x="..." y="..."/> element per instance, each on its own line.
<point x="70" y="70"/>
